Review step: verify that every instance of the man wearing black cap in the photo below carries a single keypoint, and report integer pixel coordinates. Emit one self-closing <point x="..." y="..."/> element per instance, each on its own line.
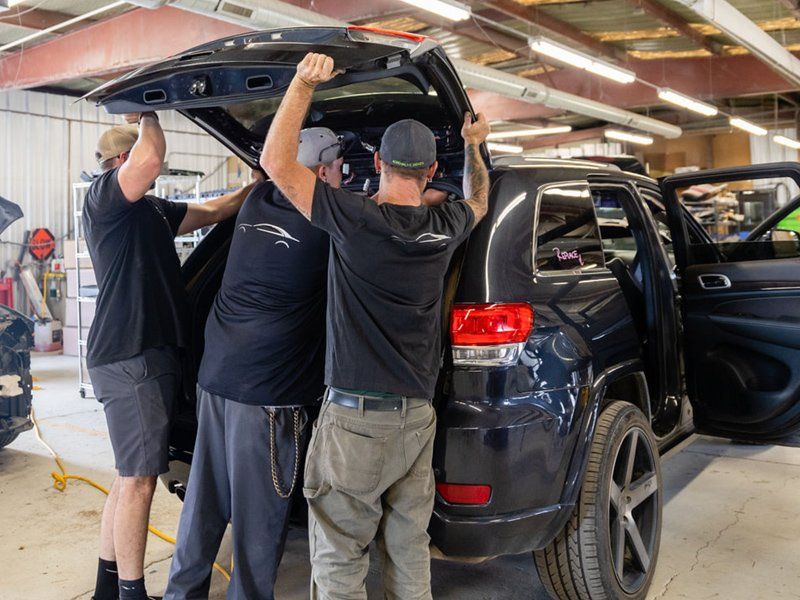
<point x="368" y="473"/>
<point x="137" y="331"/>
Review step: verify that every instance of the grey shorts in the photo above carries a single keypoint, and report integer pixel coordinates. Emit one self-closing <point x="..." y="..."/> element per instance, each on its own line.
<point x="138" y="397"/>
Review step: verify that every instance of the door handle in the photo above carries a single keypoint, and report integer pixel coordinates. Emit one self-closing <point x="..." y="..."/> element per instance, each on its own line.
<point x="714" y="281"/>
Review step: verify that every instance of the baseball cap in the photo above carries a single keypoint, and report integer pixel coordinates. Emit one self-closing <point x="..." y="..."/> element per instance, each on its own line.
<point x="318" y="146"/>
<point x="408" y="144"/>
<point x="115" y="141"/>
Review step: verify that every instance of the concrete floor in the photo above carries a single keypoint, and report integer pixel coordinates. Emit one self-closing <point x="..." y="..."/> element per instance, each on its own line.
<point x="731" y="519"/>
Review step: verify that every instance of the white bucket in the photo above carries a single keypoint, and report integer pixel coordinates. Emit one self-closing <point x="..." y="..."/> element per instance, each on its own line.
<point x="47" y="336"/>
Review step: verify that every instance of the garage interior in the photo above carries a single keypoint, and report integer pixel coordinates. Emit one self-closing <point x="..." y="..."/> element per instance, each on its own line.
<point x="662" y="87"/>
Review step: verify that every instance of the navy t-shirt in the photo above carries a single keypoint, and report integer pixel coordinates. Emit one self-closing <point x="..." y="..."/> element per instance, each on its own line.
<point x="265" y="334"/>
<point x="387" y="269"/>
<point x="141" y="299"/>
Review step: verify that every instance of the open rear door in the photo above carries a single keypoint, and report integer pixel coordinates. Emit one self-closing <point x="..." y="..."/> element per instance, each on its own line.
<point x="232" y="87"/>
<point x="741" y="311"/>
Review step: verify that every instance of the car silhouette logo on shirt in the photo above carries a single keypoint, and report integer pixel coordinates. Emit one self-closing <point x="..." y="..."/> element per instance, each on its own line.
<point x="271" y="229"/>
<point x="424" y="238"/>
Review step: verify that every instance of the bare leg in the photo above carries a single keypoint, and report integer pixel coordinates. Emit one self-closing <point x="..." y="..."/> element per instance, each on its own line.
<point x="107" y="524"/>
<point x="135" y="495"/>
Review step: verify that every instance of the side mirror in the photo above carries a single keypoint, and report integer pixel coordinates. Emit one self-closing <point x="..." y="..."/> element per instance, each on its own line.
<point x="784" y="235"/>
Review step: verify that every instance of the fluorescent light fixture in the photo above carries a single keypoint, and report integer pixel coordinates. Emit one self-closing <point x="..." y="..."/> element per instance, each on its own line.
<point x="61" y="25"/>
<point x="785" y="141"/>
<point x="504" y="148"/>
<point x="521" y="133"/>
<point x="747" y="126"/>
<point x="633" y="138"/>
<point x="583" y="61"/>
<point x="686" y="102"/>
<point x="611" y="72"/>
<point x="454" y="11"/>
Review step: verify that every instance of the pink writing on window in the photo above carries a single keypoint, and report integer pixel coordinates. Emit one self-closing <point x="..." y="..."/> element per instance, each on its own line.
<point x="564" y="256"/>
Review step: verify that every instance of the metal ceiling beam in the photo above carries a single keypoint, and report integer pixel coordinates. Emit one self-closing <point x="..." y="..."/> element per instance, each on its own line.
<point x="709" y="80"/>
<point x="96" y="50"/>
<point x="37" y="19"/>
<point x="792" y="6"/>
<point x="745" y="32"/>
<point x="676" y="22"/>
<point x="538" y="18"/>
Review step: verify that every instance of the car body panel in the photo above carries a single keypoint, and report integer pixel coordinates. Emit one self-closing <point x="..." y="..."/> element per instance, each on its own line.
<point x="16" y="383"/>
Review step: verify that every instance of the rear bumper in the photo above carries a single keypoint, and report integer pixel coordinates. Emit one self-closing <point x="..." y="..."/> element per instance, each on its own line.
<point x="496" y="535"/>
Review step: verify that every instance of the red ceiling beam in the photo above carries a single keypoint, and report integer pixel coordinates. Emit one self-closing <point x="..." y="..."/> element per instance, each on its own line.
<point x="676" y="22"/>
<point x="133" y="39"/>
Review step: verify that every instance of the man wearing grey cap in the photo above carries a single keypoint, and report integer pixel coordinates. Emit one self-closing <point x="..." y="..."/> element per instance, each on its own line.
<point x="260" y="377"/>
<point x="368" y="474"/>
<point x="137" y="332"/>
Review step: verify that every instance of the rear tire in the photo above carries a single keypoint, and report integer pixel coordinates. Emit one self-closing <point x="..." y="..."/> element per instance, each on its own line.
<point x="7" y="438"/>
<point x="609" y="547"/>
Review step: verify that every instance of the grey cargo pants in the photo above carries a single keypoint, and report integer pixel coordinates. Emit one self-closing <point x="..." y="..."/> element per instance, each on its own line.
<point x="369" y="476"/>
<point x="231" y="480"/>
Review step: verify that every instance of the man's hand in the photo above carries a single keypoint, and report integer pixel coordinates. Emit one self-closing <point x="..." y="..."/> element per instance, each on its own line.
<point x="315" y="69"/>
<point x="475" y="132"/>
<point x="131" y="118"/>
<point x="257" y="176"/>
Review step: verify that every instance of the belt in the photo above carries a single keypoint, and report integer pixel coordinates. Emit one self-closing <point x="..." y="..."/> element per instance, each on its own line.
<point x="373" y="402"/>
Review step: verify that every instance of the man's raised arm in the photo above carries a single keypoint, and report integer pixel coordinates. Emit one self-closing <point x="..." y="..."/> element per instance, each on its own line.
<point x="279" y="156"/>
<point x="476" y="177"/>
<point x="137" y="174"/>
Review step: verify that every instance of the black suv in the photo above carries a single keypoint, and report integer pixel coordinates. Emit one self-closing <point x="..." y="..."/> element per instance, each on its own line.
<point x="589" y="314"/>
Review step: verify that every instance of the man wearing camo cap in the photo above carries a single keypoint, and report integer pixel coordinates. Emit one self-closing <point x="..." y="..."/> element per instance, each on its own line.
<point x="260" y="378"/>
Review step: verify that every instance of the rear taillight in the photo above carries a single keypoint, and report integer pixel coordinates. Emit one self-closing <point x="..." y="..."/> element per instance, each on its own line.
<point x="460" y="493"/>
<point x="489" y="334"/>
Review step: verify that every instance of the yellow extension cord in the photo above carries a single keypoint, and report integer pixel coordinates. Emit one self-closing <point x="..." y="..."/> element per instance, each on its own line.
<point x="61" y="478"/>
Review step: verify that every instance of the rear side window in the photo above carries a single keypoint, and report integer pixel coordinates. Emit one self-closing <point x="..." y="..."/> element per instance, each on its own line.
<point x="567" y="233"/>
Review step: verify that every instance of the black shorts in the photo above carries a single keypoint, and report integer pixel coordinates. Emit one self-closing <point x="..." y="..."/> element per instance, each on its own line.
<point x="138" y="397"/>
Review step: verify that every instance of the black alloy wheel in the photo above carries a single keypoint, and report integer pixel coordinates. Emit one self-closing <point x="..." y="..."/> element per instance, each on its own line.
<point x="634" y="510"/>
<point x="609" y="547"/>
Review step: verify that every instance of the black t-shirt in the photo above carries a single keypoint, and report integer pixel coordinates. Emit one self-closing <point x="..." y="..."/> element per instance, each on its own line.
<point x="387" y="270"/>
<point x="265" y="334"/>
<point x="141" y="299"/>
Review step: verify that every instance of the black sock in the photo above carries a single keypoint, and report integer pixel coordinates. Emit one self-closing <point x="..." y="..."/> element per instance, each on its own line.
<point x="107" y="585"/>
<point x="132" y="590"/>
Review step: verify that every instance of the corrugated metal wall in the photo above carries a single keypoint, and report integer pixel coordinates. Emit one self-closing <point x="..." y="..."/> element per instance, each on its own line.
<point x="46" y="141"/>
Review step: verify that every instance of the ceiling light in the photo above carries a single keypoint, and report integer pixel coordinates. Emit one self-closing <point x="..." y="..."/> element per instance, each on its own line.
<point x="624" y="136"/>
<point x="785" y="141"/>
<point x="583" y="61"/>
<point x="504" y="148"/>
<point x="454" y="11"/>
<point x="686" y="102"/>
<point x="611" y="72"/>
<point x="520" y="133"/>
<point x="747" y="126"/>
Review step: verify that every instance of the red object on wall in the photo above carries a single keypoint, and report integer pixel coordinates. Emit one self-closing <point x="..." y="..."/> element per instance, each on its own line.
<point x="7" y="291"/>
<point x="41" y="244"/>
